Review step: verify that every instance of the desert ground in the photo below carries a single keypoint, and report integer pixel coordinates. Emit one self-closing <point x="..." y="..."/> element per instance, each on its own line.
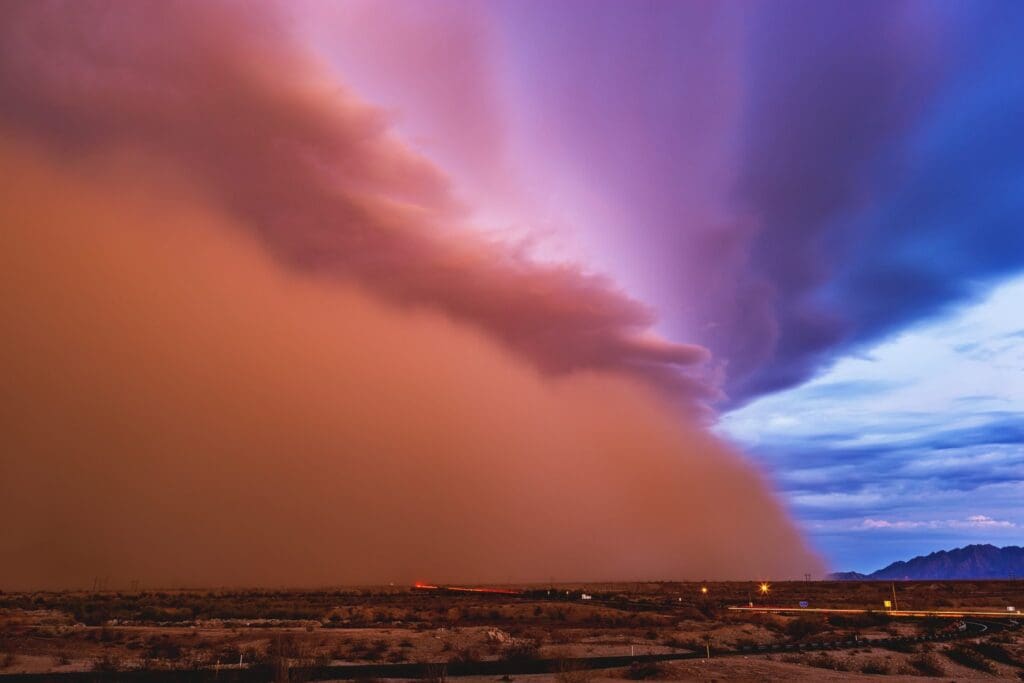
<point x="305" y="635"/>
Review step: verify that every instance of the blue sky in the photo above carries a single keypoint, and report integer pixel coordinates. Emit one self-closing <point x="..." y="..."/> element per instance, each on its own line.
<point x="911" y="445"/>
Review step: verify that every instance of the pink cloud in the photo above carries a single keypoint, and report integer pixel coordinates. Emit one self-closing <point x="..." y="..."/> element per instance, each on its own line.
<point x="227" y="99"/>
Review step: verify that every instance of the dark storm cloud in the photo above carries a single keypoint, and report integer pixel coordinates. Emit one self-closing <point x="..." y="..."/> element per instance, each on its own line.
<point x="882" y="161"/>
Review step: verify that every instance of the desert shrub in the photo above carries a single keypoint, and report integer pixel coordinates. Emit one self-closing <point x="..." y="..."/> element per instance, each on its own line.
<point x="691" y="644"/>
<point x="876" y="666"/>
<point x="286" y="646"/>
<point x="465" y="655"/>
<point x="557" y="614"/>
<point x="928" y="665"/>
<point x="559" y="636"/>
<point x="673" y="642"/>
<point x="997" y="652"/>
<point x="521" y="650"/>
<point x="970" y="657"/>
<point x="164" y="649"/>
<point x="360" y="649"/>
<point x="8" y="660"/>
<point x="374" y="654"/>
<point x="820" y="661"/>
<point x="228" y="652"/>
<point x="108" y="662"/>
<point x="824" y="660"/>
<point x="802" y="627"/>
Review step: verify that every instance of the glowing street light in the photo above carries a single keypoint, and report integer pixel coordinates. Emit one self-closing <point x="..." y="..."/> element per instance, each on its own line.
<point x="704" y="590"/>
<point x="764" y="588"/>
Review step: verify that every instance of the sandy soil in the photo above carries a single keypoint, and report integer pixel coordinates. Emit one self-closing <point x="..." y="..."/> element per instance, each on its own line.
<point x="57" y="632"/>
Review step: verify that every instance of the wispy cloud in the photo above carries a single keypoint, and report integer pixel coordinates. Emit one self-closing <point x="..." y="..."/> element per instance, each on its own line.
<point x="971" y="522"/>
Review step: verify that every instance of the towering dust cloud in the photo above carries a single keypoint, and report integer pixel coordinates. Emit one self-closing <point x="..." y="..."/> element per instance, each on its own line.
<point x="177" y="408"/>
<point x="247" y="339"/>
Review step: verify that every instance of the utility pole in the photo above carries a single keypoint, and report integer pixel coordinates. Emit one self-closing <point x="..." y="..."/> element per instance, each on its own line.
<point x="895" y="605"/>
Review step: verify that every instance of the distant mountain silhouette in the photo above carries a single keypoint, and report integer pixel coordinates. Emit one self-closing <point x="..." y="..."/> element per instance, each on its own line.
<point x="970" y="562"/>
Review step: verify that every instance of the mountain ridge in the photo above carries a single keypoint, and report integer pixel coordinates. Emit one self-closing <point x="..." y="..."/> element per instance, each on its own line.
<point x="976" y="561"/>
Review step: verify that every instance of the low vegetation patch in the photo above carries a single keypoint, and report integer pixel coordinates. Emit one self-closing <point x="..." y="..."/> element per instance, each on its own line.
<point x="876" y="666"/>
<point x="521" y="650"/>
<point x="824" y="660"/>
<point x="997" y="653"/>
<point x="927" y="665"/>
<point x="971" y="658"/>
<point x="802" y="627"/>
